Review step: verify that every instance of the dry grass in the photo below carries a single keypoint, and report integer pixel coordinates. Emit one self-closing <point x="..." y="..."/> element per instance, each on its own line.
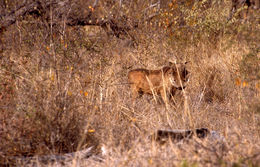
<point x="62" y="93"/>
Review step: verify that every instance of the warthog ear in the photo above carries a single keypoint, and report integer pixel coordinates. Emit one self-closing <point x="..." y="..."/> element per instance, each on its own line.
<point x="186" y="62"/>
<point x="171" y="62"/>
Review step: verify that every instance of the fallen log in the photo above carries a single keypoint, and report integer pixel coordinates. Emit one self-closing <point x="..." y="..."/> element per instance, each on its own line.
<point x="53" y="158"/>
<point x="162" y="136"/>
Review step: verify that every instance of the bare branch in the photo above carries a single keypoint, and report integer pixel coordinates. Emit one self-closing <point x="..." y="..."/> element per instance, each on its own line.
<point x="9" y="19"/>
<point x="95" y="3"/>
<point x="118" y="26"/>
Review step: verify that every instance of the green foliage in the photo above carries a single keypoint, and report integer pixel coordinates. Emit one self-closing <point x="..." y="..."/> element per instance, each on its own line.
<point x="186" y="163"/>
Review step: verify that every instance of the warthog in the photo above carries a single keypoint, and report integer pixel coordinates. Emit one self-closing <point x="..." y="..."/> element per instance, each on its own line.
<point x="242" y="7"/>
<point x="164" y="82"/>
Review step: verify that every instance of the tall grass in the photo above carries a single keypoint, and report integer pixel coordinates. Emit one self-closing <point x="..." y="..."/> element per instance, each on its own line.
<point x="62" y="92"/>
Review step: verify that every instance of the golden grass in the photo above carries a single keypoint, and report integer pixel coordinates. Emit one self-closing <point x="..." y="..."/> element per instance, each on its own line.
<point x="73" y="93"/>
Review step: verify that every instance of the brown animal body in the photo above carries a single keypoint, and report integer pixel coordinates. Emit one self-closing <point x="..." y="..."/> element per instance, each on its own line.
<point x="164" y="82"/>
<point x="243" y="7"/>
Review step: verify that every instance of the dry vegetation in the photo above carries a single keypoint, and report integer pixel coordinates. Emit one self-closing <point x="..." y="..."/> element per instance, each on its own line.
<point x="65" y="88"/>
